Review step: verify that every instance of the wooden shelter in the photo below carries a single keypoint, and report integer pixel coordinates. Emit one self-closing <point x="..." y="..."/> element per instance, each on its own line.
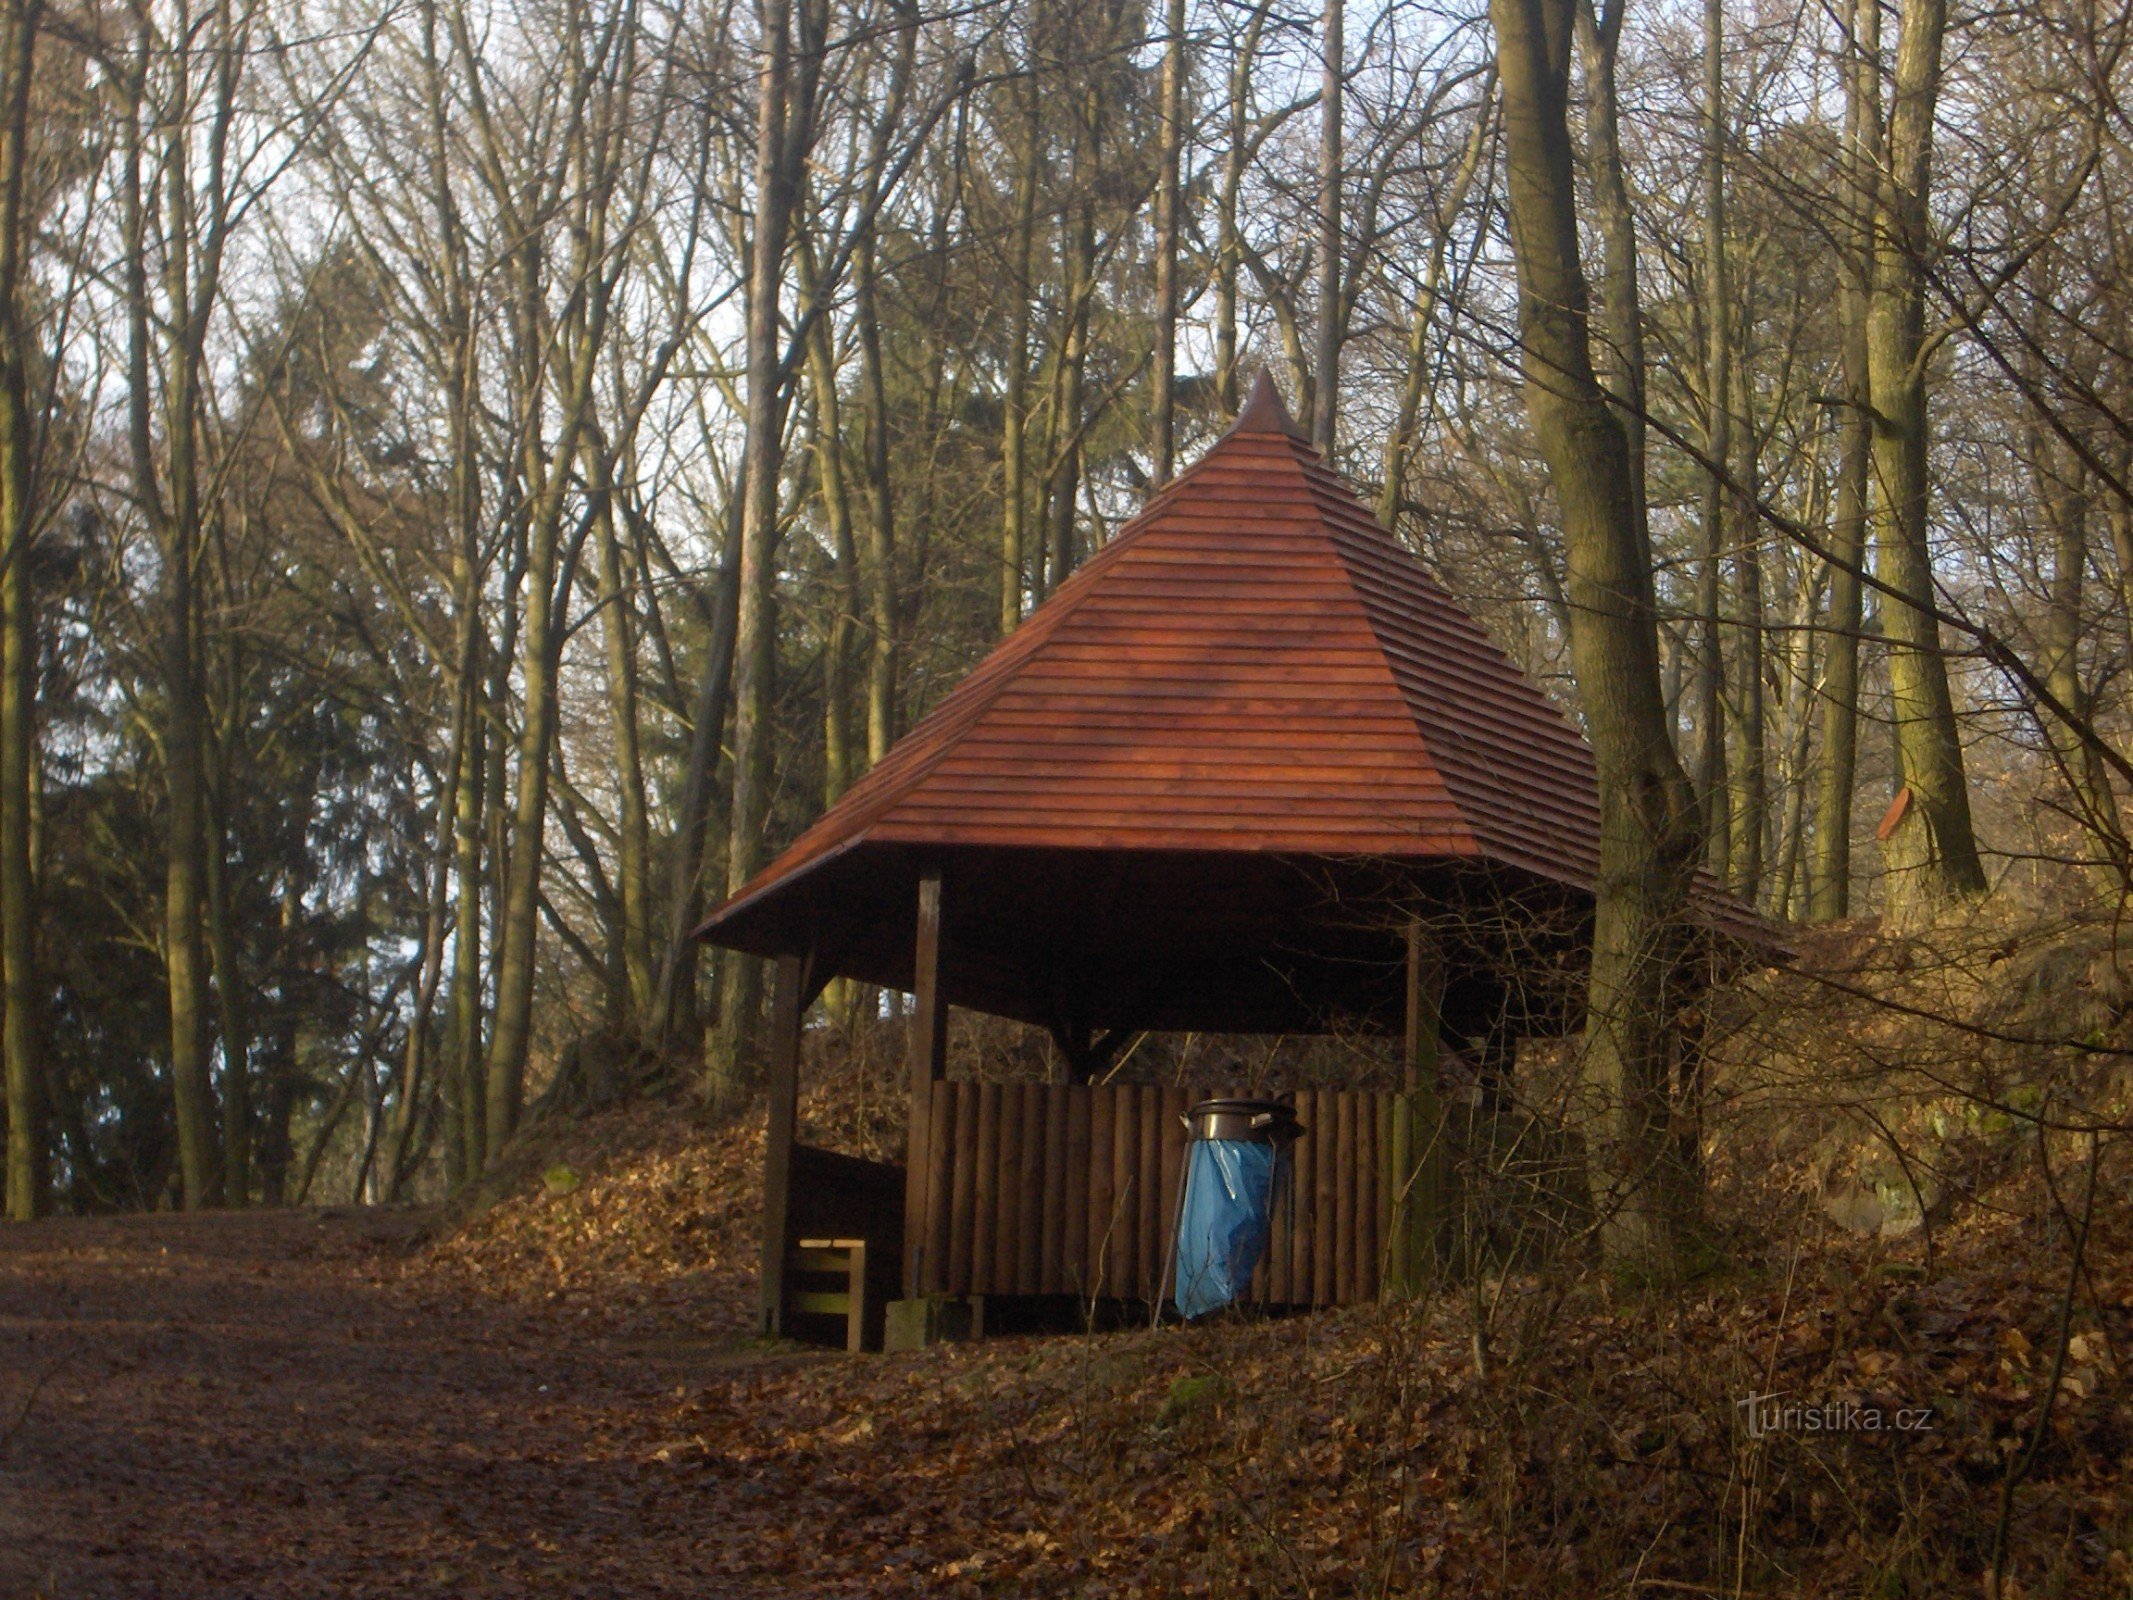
<point x="1250" y="770"/>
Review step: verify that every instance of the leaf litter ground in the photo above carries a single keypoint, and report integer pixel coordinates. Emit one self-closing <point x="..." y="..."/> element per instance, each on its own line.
<point x="559" y="1397"/>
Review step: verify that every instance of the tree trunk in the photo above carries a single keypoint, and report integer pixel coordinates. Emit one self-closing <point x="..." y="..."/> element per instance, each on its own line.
<point x="21" y="997"/>
<point x="1930" y="856"/>
<point x="233" y="1013"/>
<point x="1167" y="206"/>
<point x="1079" y="244"/>
<point x="1401" y="439"/>
<point x="826" y="440"/>
<point x="633" y="863"/>
<point x="1748" y="809"/>
<point x="1621" y="306"/>
<point x="729" y="1070"/>
<point x="1014" y="418"/>
<point x="1648" y="840"/>
<point x="511" y="1035"/>
<point x="1229" y="243"/>
<point x="463" y="1014"/>
<point x="1830" y="869"/>
<point x="1713" y="784"/>
<point x="874" y="389"/>
<point x="1326" y="367"/>
<point x="2063" y="494"/>
<point x="676" y="1007"/>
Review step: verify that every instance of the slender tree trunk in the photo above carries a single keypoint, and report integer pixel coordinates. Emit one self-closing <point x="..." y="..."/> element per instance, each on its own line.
<point x="1069" y="386"/>
<point x="27" y="1159"/>
<point x="1712" y="781"/>
<point x="1649" y="824"/>
<point x="463" y="1013"/>
<point x="1748" y="810"/>
<point x="1830" y="871"/>
<point x="545" y="581"/>
<point x="2063" y="494"/>
<point x="21" y="996"/>
<point x="183" y="953"/>
<point x="874" y="390"/>
<point x="633" y="863"/>
<point x="519" y="927"/>
<point x="1229" y="244"/>
<point x="1419" y="381"/>
<point x="1930" y="856"/>
<point x="839" y="759"/>
<point x="1326" y="367"/>
<point x="730" y="1069"/>
<point x="233" y="1013"/>
<point x="1014" y="420"/>
<point x="675" y="1012"/>
<point x="1167" y="207"/>
<point x="1599" y="36"/>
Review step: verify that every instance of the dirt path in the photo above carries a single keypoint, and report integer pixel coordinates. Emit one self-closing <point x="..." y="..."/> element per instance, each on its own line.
<point x="238" y="1406"/>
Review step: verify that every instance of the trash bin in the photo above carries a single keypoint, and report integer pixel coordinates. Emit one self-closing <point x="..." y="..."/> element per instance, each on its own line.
<point x="1235" y="1164"/>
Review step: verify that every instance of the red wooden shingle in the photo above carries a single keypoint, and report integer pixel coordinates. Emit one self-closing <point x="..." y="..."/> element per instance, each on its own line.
<point x="1252" y="664"/>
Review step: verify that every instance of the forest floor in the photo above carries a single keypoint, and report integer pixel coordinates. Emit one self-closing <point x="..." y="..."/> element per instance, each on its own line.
<point x="557" y="1395"/>
<point x="268" y="1404"/>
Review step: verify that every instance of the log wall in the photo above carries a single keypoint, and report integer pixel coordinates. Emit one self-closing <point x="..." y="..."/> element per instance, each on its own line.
<point x="1030" y="1188"/>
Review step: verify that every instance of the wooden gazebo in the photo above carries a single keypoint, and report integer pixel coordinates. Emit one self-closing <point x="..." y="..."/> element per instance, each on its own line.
<point x="1250" y="770"/>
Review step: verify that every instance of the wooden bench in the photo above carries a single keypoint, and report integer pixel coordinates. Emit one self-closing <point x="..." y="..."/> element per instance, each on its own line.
<point x="811" y="1266"/>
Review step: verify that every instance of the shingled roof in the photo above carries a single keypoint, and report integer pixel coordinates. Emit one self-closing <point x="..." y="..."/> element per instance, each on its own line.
<point x="1252" y="666"/>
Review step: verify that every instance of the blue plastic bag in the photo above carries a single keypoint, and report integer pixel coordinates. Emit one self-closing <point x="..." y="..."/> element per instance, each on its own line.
<point x="1222" y="1232"/>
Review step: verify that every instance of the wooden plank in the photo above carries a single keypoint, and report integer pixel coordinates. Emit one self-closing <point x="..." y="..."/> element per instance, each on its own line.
<point x="985" y="1190"/>
<point x="929" y="1008"/>
<point x="1080" y="1168"/>
<point x="1306" y="1208"/>
<point x="1383" y="1265"/>
<point x="940" y="1186"/>
<point x="1342" y="1197"/>
<point x="1151" y="1188"/>
<point x="1098" y="1259"/>
<point x="1366" y="1195"/>
<point x="963" y="1201"/>
<point x="1007" y="1191"/>
<point x="1325" y="1178"/>
<point x="1030" y="1191"/>
<point x="1051" y="1224"/>
<point x="785" y="1010"/>
<point x="1125" y="1221"/>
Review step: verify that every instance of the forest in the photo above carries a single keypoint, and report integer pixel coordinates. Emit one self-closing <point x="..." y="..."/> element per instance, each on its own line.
<point x="480" y="478"/>
<point x="475" y="480"/>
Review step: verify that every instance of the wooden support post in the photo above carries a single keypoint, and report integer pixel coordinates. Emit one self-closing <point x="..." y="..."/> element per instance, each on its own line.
<point x="787" y="1005"/>
<point x="929" y="1012"/>
<point x="926" y="1058"/>
<point x="1412" y="1255"/>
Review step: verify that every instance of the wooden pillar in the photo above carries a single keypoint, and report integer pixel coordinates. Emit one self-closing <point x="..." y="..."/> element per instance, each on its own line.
<point x="926" y="1060"/>
<point x="787" y="1005"/>
<point x="1412" y="1255"/>
<point x="929" y="1012"/>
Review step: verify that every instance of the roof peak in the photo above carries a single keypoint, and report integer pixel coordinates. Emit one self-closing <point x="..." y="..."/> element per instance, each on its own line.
<point x="1264" y="413"/>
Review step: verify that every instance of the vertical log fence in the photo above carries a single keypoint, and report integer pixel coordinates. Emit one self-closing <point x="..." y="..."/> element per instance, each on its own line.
<point x="1058" y="1189"/>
